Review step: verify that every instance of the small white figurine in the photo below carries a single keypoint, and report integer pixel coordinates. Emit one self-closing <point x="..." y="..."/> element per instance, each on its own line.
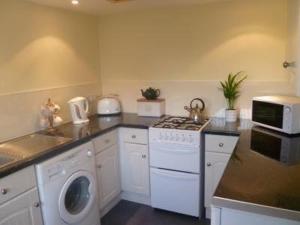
<point x="49" y="115"/>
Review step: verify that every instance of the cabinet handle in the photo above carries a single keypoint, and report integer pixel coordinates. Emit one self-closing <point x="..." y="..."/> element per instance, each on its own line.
<point x="133" y="136"/>
<point x="99" y="166"/>
<point x="208" y="164"/>
<point x="144" y="156"/>
<point x="4" y="191"/>
<point x="221" y="145"/>
<point x="36" y="204"/>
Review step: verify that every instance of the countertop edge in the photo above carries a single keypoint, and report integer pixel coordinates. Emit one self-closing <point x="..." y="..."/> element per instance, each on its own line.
<point x="235" y="134"/>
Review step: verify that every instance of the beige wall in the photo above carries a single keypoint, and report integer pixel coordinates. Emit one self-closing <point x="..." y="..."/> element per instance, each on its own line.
<point x="48" y="52"/>
<point x="186" y="51"/>
<point x="44" y="52"/>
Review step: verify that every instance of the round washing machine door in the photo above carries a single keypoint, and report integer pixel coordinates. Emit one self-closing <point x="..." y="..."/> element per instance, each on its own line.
<point x="77" y="197"/>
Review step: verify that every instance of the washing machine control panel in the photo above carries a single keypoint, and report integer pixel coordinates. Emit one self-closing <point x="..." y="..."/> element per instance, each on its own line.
<point x="56" y="170"/>
<point x="68" y="162"/>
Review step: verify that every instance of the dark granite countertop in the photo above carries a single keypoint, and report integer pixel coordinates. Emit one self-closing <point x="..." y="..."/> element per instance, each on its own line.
<point x="263" y="174"/>
<point x="34" y="148"/>
<point x="260" y="177"/>
<point x="218" y="126"/>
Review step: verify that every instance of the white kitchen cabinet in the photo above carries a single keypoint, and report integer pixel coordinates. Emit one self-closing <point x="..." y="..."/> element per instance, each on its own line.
<point x="135" y="174"/>
<point x="108" y="175"/>
<point x="218" y="150"/>
<point x="19" y="199"/>
<point x="215" y="164"/>
<point x="22" y="210"/>
<point x="135" y="168"/>
<point x="226" y="216"/>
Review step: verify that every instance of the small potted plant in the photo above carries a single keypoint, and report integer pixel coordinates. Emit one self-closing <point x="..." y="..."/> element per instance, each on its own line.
<point x="230" y="88"/>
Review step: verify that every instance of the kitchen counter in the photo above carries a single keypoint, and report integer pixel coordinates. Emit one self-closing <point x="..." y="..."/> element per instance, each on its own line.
<point x="218" y="126"/>
<point x="263" y="174"/>
<point x="34" y="148"/>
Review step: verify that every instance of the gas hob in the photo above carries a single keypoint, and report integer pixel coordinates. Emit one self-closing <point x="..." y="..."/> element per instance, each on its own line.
<point x="176" y="130"/>
<point x="180" y="123"/>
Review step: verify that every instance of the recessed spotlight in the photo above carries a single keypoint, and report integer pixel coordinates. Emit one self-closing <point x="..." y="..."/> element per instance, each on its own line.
<point x="75" y="2"/>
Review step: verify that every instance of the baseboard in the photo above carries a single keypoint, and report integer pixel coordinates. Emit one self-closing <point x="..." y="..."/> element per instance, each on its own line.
<point x="110" y="205"/>
<point x="138" y="198"/>
<point x="207" y="212"/>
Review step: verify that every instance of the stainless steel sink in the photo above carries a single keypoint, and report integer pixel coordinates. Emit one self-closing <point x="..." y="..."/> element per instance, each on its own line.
<point x="28" y="146"/>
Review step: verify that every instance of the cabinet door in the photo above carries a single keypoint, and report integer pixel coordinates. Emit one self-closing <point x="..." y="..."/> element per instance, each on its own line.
<point x="22" y="210"/>
<point x="293" y="41"/>
<point x="135" y="168"/>
<point x="238" y="217"/>
<point x="215" y="164"/>
<point x="108" y="175"/>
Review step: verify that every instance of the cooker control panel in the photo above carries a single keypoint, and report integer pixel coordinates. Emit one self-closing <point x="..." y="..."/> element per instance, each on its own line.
<point x="174" y="136"/>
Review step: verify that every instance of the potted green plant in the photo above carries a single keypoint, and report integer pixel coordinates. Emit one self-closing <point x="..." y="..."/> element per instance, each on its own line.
<point x="230" y="88"/>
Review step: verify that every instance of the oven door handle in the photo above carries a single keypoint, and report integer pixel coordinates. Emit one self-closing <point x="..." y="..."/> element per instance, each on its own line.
<point x="174" y="175"/>
<point x="175" y="151"/>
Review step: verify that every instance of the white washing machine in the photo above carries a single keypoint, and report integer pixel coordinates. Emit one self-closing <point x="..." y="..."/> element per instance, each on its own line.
<point x="67" y="187"/>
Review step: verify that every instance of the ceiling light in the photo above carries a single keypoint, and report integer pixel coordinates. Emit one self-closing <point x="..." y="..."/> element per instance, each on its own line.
<point x="75" y="2"/>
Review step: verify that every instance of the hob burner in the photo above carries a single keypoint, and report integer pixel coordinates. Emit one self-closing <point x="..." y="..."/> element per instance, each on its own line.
<point x="181" y="123"/>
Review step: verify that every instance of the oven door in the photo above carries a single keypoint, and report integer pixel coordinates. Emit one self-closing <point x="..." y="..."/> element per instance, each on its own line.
<point x="268" y="114"/>
<point x="175" y="191"/>
<point x="175" y="157"/>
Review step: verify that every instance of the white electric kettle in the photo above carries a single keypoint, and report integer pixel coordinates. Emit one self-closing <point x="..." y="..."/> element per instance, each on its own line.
<point x="79" y="108"/>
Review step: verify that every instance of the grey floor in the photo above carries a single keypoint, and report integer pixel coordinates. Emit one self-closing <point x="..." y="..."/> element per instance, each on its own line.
<point x="129" y="213"/>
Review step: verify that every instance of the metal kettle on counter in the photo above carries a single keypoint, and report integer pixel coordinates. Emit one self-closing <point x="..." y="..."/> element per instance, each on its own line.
<point x="196" y="111"/>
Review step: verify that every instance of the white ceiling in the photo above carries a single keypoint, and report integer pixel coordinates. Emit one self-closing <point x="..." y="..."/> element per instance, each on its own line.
<point x="98" y="7"/>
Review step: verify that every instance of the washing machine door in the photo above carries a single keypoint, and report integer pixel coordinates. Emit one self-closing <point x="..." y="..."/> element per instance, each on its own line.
<point x="77" y="197"/>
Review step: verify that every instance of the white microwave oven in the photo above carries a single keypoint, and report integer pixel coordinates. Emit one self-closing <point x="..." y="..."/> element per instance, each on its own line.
<point x="281" y="113"/>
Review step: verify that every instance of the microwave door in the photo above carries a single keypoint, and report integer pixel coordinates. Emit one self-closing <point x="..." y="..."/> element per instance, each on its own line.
<point x="269" y="114"/>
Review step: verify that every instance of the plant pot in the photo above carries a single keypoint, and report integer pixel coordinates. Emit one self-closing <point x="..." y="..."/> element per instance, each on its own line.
<point x="231" y="115"/>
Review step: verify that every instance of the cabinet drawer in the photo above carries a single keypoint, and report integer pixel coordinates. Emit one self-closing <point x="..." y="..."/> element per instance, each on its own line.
<point x="17" y="183"/>
<point x="220" y="143"/>
<point x="137" y="136"/>
<point x="104" y="141"/>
